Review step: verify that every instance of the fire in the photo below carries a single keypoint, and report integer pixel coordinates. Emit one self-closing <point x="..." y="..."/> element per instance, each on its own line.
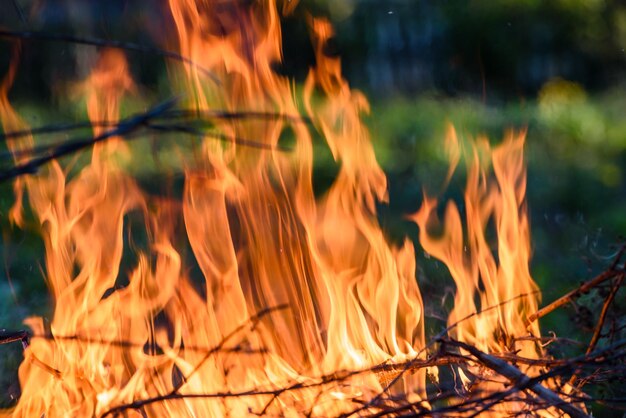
<point x="295" y="288"/>
<point x="502" y="285"/>
<point x="469" y="256"/>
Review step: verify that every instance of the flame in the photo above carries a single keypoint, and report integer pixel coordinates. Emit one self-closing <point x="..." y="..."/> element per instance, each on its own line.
<point x="477" y="272"/>
<point x="293" y="287"/>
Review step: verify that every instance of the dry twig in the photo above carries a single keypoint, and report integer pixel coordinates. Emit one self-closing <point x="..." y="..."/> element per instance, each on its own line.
<point x="125" y="127"/>
<point x="7" y="337"/>
<point x="185" y="115"/>
<point x="605" y="309"/>
<point x="519" y="379"/>
<point x="608" y="274"/>
<point x="128" y="46"/>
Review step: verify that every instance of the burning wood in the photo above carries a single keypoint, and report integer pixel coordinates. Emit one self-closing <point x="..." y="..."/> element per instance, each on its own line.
<point x="305" y="308"/>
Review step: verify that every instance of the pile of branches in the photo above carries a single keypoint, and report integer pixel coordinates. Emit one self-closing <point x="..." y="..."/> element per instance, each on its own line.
<point x="575" y="381"/>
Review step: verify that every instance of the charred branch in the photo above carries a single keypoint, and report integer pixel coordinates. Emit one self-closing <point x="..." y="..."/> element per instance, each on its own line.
<point x="7" y="337"/>
<point x="611" y="273"/>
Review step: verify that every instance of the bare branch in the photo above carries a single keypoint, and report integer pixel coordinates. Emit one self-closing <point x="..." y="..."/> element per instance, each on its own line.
<point x="605" y="308"/>
<point x="128" y="46"/>
<point x="185" y="114"/>
<point x="123" y="128"/>
<point x="608" y="274"/>
<point x="7" y="337"/>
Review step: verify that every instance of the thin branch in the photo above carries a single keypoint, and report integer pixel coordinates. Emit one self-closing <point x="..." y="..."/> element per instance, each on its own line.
<point x="605" y="308"/>
<point x="130" y="344"/>
<point x="186" y="114"/>
<point x="52" y="129"/>
<point x="225" y="115"/>
<point x="128" y="46"/>
<point x="20" y="12"/>
<point x="44" y="366"/>
<point x="600" y="324"/>
<point x="608" y="274"/>
<point x="7" y="337"/>
<point x="252" y="321"/>
<point x="185" y="129"/>
<point x="123" y="128"/>
<point x="58" y="149"/>
<point x="443" y="333"/>
<point x="52" y="151"/>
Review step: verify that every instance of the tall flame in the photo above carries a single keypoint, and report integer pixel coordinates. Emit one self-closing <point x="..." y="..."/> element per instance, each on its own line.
<point x="177" y="346"/>
<point x="494" y="290"/>
<point x="476" y="270"/>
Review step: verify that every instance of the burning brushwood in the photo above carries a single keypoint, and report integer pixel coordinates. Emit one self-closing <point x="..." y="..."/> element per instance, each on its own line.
<point x="253" y="295"/>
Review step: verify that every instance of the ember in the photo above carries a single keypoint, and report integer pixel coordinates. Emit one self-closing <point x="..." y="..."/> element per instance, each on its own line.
<point x="304" y="307"/>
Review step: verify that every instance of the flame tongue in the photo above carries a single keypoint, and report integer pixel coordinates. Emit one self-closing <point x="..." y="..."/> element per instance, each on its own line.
<point x="261" y="240"/>
<point x="369" y="291"/>
<point x="503" y="283"/>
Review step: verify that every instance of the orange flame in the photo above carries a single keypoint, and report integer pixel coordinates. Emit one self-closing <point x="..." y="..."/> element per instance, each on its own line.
<point x="475" y="269"/>
<point x="176" y="346"/>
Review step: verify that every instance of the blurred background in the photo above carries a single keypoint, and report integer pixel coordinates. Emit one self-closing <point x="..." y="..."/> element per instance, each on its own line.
<point x="556" y="68"/>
